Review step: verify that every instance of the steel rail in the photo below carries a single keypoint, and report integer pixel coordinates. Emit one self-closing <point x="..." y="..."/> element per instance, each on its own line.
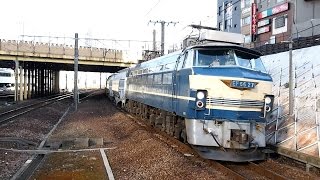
<point x="11" y="114"/>
<point x="180" y="145"/>
<point x="256" y="168"/>
<point x="24" y="107"/>
<point x="29" y="168"/>
<point x="265" y="172"/>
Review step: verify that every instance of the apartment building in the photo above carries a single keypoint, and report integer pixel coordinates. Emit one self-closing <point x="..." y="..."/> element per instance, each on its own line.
<point x="229" y="16"/>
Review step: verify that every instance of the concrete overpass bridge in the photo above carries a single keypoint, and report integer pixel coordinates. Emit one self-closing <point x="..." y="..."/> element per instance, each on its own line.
<point x="37" y="65"/>
<point x="62" y="56"/>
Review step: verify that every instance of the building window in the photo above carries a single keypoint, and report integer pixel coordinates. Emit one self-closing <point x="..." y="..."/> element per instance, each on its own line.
<point x="220" y="26"/>
<point x="247" y="3"/>
<point x="235" y="25"/>
<point x="278" y="1"/>
<point x="245" y="21"/>
<point x="279" y="22"/>
<point x="225" y="7"/>
<point x="220" y="9"/>
<point x="235" y="8"/>
<point x="227" y="24"/>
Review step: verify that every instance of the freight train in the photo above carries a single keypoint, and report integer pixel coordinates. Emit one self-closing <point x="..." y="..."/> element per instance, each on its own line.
<point x="214" y="96"/>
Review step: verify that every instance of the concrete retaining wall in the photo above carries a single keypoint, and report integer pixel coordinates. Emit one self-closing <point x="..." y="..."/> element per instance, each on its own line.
<point x="300" y="133"/>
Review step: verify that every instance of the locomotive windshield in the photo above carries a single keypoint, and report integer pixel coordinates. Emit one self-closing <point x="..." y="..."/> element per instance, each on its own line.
<point x="228" y="57"/>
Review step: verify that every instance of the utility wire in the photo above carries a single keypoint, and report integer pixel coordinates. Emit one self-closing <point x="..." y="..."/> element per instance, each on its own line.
<point x="57" y="37"/>
<point x="152" y="8"/>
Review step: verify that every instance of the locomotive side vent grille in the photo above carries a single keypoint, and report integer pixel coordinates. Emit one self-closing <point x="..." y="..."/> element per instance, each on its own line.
<point x="235" y="102"/>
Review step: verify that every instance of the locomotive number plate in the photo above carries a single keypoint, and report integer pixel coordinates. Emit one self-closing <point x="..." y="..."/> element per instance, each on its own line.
<point x="242" y="84"/>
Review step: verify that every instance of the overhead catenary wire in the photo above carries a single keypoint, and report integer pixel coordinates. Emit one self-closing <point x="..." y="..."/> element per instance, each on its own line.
<point x="152" y="8"/>
<point x="95" y="39"/>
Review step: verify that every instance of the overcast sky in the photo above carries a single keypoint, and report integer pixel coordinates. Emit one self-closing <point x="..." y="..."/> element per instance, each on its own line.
<point x="118" y="19"/>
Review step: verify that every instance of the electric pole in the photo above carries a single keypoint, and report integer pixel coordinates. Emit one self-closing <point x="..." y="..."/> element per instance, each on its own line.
<point x="154" y="48"/>
<point x="76" y="58"/>
<point x="163" y="23"/>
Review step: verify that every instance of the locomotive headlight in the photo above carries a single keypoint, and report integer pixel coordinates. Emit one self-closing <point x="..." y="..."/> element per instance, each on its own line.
<point x="267" y="100"/>
<point x="200" y="104"/>
<point x="200" y="95"/>
<point x="268" y="104"/>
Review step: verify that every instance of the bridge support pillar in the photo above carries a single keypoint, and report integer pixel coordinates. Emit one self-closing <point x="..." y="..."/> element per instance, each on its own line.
<point x="33" y="79"/>
<point x="25" y="83"/>
<point x="21" y="84"/>
<point x="56" y="81"/>
<point x="50" y="81"/>
<point x="16" y="81"/>
<point x="42" y="81"/>
<point x="47" y="84"/>
<point x="29" y="81"/>
<point x="36" y="79"/>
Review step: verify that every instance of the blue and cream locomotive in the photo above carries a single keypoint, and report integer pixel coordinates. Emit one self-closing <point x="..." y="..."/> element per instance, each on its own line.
<point x="214" y="96"/>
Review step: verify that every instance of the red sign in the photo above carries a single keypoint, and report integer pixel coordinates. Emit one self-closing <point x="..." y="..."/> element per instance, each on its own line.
<point x="254" y="18"/>
<point x="263" y="30"/>
<point x="274" y="10"/>
<point x="281" y="8"/>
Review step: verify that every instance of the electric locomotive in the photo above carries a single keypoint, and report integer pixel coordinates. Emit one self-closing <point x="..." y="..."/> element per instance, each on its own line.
<point x="214" y="96"/>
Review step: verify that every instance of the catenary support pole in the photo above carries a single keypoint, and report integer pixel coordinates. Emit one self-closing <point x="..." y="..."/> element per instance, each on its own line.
<point x="154" y="47"/>
<point x="291" y="82"/>
<point x="163" y="23"/>
<point x="76" y="56"/>
<point x="162" y="37"/>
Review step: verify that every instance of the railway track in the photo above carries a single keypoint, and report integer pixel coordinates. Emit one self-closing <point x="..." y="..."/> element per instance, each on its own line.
<point x="251" y="170"/>
<point x="14" y="113"/>
<point x="6" y="96"/>
<point x="239" y="171"/>
<point x="26" y="171"/>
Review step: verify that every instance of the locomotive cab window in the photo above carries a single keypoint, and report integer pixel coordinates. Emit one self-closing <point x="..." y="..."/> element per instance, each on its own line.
<point x="189" y="59"/>
<point x="215" y="58"/>
<point x="228" y="57"/>
<point x="250" y="61"/>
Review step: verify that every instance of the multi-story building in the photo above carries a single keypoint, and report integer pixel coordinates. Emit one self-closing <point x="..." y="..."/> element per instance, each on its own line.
<point x="246" y="19"/>
<point x="229" y="16"/>
<point x="274" y="20"/>
<point x="281" y="20"/>
<point x="271" y="21"/>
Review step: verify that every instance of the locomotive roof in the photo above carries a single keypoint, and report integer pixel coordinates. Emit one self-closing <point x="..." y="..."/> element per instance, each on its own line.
<point x="224" y="44"/>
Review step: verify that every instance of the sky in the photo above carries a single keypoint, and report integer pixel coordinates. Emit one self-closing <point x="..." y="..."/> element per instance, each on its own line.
<point x="106" y="19"/>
